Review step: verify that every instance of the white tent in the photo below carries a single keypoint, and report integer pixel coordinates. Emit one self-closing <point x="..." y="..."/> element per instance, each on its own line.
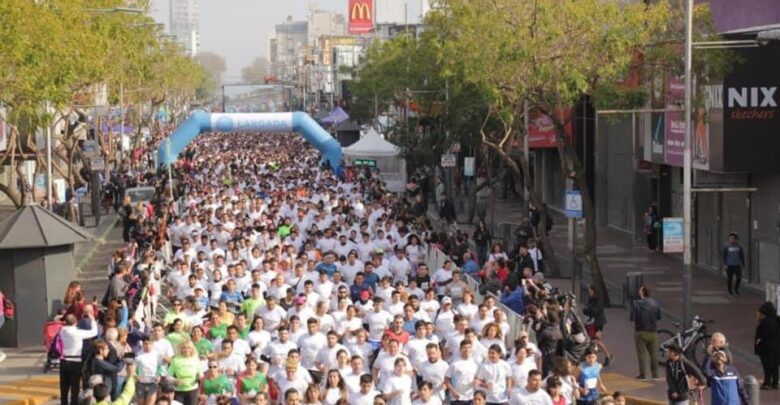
<point x="373" y="147"/>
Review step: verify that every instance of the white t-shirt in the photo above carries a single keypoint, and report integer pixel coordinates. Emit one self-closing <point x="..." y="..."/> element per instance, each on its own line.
<point x="520" y="373"/>
<point x="358" y="398"/>
<point x="524" y="397"/>
<point x="496" y="374"/>
<point x="377" y="323"/>
<point x="461" y="374"/>
<point x="434" y="373"/>
<point x="310" y="345"/>
<point x="401" y="383"/>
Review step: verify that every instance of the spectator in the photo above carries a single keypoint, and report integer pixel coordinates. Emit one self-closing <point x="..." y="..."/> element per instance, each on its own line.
<point x="645" y="312"/>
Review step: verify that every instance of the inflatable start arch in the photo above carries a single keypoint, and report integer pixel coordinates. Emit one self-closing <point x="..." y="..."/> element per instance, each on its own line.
<point x="200" y="122"/>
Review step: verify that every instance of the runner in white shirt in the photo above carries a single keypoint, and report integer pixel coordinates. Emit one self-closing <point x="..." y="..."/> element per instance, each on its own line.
<point x="377" y="321"/>
<point x="397" y="387"/>
<point x="459" y="378"/>
<point x="366" y="394"/>
<point x="427" y="396"/>
<point x="532" y="393"/>
<point x="495" y="377"/>
<point x="433" y="370"/>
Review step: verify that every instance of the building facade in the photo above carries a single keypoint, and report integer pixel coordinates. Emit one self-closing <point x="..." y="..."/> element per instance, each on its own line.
<point x="184" y="21"/>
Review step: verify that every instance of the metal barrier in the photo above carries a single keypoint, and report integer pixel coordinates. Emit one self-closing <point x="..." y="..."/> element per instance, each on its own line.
<point x="435" y="259"/>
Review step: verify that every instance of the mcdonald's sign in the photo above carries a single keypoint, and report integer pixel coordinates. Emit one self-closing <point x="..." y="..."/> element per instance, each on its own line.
<point x="361" y="16"/>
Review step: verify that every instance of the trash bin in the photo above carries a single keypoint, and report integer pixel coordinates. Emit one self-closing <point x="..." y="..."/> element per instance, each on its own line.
<point x="631" y="285"/>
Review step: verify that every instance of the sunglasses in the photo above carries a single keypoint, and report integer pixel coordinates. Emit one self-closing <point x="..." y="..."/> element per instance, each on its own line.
<point x="214" y="367"/>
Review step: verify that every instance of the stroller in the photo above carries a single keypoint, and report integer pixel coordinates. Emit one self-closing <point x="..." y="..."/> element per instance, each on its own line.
<point x="52" y="344"/>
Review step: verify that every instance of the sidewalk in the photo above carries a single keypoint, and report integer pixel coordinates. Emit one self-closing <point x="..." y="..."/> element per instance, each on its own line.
<point x="618" y="255"/>
<point x="22" y="381"/>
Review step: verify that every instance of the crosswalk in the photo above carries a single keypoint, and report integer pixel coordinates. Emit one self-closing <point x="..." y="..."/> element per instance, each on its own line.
<point x="37" y="390"/>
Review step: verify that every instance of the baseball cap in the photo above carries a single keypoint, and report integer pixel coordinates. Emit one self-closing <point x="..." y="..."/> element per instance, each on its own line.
<point x="446" y="300"/>
<point x="300" y="300"/>
<point x="365" y="294"/>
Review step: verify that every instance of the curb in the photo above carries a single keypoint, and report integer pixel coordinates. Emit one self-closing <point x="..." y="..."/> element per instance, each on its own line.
<point x="101" y="240"/>
<point x="642" y="401"/>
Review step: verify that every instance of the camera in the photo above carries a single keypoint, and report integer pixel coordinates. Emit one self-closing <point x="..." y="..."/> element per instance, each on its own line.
<point x="129" y="357"/>
<point x="563" y="298"/>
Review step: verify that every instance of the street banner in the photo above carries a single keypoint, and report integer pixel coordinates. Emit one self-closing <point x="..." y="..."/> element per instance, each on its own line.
<point x="361" y="16"/>
<point x="674" y="241"/>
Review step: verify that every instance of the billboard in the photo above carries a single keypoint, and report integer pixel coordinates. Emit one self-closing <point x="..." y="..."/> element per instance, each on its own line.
<point x="361" y="16"/>
<point x="541" y="131"/>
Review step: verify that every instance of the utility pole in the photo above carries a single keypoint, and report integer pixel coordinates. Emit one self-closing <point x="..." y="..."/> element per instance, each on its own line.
<point x="686" y="277"/>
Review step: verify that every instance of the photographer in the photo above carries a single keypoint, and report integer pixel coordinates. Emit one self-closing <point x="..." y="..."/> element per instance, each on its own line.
<point x="548" y="333"/>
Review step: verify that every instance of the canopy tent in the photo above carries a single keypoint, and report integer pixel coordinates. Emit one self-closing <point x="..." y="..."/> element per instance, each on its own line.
<point x="335" y="117"/>
<point x="385" y="156"/>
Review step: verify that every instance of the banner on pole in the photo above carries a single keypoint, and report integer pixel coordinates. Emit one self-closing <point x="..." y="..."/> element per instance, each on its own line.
<point x="673" y="232"/>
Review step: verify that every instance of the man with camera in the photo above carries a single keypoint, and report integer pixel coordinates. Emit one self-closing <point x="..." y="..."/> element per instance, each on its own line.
<point x="102" y="392"/>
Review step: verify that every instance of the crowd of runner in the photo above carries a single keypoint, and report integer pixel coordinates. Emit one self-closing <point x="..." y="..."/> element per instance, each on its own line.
<point x="268" y="277"/>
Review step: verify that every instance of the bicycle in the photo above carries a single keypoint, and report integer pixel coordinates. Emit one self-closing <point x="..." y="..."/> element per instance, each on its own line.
<point x="693" y="341"/>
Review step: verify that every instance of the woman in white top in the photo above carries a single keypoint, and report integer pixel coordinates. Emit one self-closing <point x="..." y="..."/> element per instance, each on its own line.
<point x="258" y="337"/>
<point x="215" y="286"/>
<point x="497" y="253"/>
<point x="467" y="309"/>
<point x="415" y="251"/>
<point x="334" y="388"/>
<point x="445" y="318"/>
<point x="520" y="367"/>
<point x="491" y="334"/>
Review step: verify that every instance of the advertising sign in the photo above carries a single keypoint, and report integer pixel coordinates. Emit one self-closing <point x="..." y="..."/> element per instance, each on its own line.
<point x="674" y="150"/>
<point x="674" y="241"/>
<point x="251" y="122"/>
<point x="361" y="16"/>
<point x="674" y="142"/>
<point x="657" y="135"/>
<point x="751" y="111"/>
<point x="97" y="164"/>
<point x="541" y="131"/>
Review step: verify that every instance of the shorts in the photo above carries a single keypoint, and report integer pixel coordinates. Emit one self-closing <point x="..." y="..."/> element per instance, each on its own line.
<point x="145" y="390"/>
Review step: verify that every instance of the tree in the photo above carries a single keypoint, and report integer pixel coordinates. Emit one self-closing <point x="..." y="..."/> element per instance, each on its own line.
<point x="213" y="63"/>
<point x="57" y="53"/>
<point x="256" y="71"/>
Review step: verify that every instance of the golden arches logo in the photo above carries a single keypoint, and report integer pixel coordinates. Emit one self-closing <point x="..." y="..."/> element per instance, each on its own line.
<point x="361" y="11"/>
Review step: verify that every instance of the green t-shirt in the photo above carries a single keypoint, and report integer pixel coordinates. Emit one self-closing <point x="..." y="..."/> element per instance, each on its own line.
<point x="253" y="384"/>
<point x="218" y="331"/>
<point x="176" y="338"/>
<point x="186" y="370"/>
<point x="217" y="386"/>
<point x="249" y="306"/>
<point x="172" y="316"/>
<point x="284" y="230"/>
<point x="203" y="346"/>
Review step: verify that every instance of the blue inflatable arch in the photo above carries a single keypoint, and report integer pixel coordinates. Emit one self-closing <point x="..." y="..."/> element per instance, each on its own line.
<point x="200" y="122"/>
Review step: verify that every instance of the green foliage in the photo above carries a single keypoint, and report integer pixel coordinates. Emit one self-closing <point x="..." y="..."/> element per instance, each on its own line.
<point x="57" y="51"/>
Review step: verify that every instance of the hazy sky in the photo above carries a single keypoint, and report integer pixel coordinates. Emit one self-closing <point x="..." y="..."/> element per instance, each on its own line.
<point x="238" y="29"/>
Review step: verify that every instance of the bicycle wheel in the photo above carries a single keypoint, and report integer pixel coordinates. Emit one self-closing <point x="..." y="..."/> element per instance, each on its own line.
<point x="698" y="351"/>
<point x="665" y="338"/>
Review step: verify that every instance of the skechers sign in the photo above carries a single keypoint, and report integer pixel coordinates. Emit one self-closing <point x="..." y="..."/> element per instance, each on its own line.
<point x="252" y="122"/>
<point x="751" y="112"/>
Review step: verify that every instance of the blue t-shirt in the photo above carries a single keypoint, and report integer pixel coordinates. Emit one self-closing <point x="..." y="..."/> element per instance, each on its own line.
<point x="589" y="378"/>
<point x="234" y="296"/>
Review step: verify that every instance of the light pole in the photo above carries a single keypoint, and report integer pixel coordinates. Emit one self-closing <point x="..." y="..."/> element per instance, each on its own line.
<point x="49" y="187"/>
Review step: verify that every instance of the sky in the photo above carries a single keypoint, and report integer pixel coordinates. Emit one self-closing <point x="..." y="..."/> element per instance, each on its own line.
<point x="238" y="29"/>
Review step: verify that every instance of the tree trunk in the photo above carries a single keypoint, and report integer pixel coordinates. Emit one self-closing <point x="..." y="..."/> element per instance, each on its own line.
<point x="548" y="252"/>
<point x="574" y="170"/>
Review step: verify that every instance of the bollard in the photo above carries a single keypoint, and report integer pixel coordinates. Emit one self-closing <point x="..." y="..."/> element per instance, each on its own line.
<point x="752" y="389"/>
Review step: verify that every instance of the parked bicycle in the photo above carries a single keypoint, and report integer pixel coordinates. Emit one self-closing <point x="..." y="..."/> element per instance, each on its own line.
<point x="693" y="341"/>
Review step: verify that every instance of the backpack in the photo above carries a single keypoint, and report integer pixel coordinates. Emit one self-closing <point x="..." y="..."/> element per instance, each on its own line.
<point x="9" y="311"/>
<point x="55" y="347"/>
